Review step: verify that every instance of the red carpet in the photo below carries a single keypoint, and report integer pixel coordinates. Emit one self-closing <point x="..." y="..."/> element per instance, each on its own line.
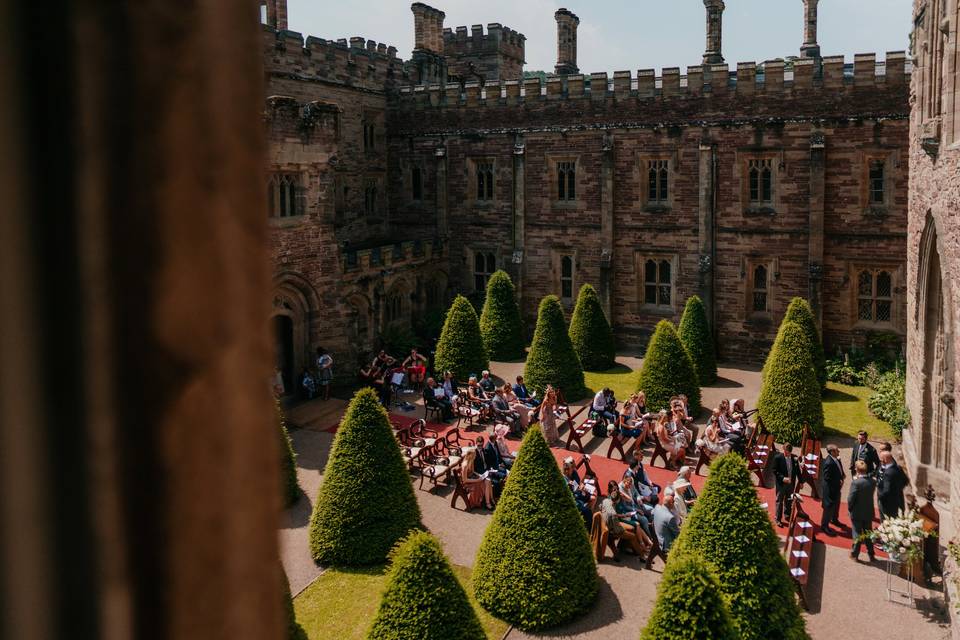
<point x="608" y="469"/>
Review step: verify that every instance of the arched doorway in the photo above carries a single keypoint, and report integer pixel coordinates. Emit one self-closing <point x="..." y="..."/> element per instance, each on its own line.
<point x="283" y="341"/>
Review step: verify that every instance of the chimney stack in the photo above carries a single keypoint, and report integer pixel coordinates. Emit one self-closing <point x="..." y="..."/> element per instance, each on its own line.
<point x="567" y="23"/>
<point x="427" y="28"/>
<point x="714" y="52"/>
<point x="810" y="48"/>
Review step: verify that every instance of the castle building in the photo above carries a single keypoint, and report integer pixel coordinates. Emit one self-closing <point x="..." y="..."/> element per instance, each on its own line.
<point x="396" y="184"/>
<point x="931" y="445"/>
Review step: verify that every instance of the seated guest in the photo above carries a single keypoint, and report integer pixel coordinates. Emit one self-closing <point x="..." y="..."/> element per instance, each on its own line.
<point x="450" y="386"/>
<point x="492" y="458"/>
<point x="682" y="422"/>
<point x="619" y="530"/>
<point x="503" y="411"/>
<point x="415" y="366"/>
<point x="633" y="501"/>
<point x="487" y="384"/>
<point x="479" y="487"/>
<point x="601" y="405"/>
<point x="477" y="397"/>
<point x="671" y="440"/>
<point x="666" y="525"/>
<point x="712" y="442"/>
<point x="581" y="493"/>
<point x="499" y="441"/>
<point x="649" y="492"/>
<point x="486" y="463"/>
<point x="684" y="491"/>
<point x="523" y="410"/>
<point x="740" y="414"/>
<point x="434" y="396"/>
<point x="635" y="425"/>
<point x="731" y="428"/>
<point x="525" y="395"/>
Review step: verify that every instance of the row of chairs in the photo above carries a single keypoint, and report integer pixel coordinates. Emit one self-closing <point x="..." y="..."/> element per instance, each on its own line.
<point x="798" y="550"/>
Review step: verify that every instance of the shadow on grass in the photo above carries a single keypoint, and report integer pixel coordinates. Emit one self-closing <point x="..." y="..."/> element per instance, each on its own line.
<point x="834" y="395"/>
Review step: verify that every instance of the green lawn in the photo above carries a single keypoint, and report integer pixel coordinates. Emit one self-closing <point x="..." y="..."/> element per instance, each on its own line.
<point x="845" y="413"/>
<point x="622" y="379"/>
<point x="341" y="604"/>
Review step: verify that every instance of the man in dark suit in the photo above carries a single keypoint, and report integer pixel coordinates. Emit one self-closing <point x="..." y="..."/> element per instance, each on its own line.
<point x="860" y="505"/>
<point x="787" y="473"/>
<point x="863" y="450"/>
<point x="831" y="480"/>
<point x="892" y="481"/>
<point x="433" y="397"/>
<point x="488" y="460"/>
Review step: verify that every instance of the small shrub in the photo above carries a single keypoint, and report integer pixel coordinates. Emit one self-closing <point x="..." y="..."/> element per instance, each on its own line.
<point x="552" y="359"/>
<point x="839" y="371"/>
<point x="871" y="375"/>
<point x="423" y="599"/>
<point x="460" y="348"/>
<point x="500" y="323"/>
<point x="790" y="393"/>
<point x="668" y="370"/>
<point x="288" y="461"/>
<point x="366" y="502"/>
<point x="889" y="401"/>
<point x="535" y="567"/>
<point x="799" y="311"/>
<point x="590" y="332"/>
<point x="689" y="604"/>
<point x="731" y="531"/>
<point x="697" y="339"/>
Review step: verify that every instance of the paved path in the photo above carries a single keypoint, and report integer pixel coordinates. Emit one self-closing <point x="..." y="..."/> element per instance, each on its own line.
<point x="844" y="593"/>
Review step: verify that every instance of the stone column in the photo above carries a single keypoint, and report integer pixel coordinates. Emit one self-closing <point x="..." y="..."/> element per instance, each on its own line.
<point x="606" y="225"/>
<point x="706" y="220"/>
<point x="714" y="52"/>
<point x="519" y="215"/>
<point x="816" y="206"/>
<point x="810" y="48"/>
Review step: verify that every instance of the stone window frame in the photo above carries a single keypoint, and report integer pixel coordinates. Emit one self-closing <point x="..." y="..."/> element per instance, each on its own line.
<point x="895" y="271"/>
<point x="372" y="205"/>
<point x="642" y="179"/>
<point x="370" y="127"/>
<point x="556" y="259"/>
<point x="552" y="179"/>
<point x="748" y="271"/>
<point x="473" y="177"/>
<point x="293" y="183"/>
<point x="640" y="264"/>
<point x="491" y="259"/>
<point x="891" y="164"/>
<point x="414" y="167"/>
<point x="775" y="158"/>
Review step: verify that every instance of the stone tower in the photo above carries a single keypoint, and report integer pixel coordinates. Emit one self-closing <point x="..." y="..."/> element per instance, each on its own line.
<point x="567" y="23"/>
<point x="429" y="63"/>
<point x="276" y="13"/>
<point x="810" y="48"/>
<point x="714" y="52"/>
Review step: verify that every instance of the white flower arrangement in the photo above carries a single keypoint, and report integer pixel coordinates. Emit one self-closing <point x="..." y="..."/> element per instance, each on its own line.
<point x="902" y="537"/>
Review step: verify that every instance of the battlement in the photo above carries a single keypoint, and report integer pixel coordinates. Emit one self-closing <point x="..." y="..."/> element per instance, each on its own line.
<point x="355" y="61"/>
<point x="498" y="38"/>
<point x="834" y="77"/>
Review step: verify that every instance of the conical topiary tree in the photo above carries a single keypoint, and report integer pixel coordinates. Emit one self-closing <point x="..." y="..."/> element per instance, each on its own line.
<point x="500" y="323"/>
<point x="697" y="339"/>
<point x="288" y="461"/>
<point x="366" y="502"/>
<point x="535" y="567"/>
<point x="668" y="370"/>
<point x="294" y="630"/>
<point x="590" y="332"/>
<point x="689" y="604"/>
<point x="799" y="311"/>
<point x="731" y="531"/>
<point x="460" y="348"/>
<point x="423" y="599"/>
<point x="790" y="393"/>
<point x="552" y="359"/>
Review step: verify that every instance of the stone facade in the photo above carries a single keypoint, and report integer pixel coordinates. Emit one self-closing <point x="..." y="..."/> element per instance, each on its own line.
<point x="932" y="443"/>
<point x="746" y="186"/>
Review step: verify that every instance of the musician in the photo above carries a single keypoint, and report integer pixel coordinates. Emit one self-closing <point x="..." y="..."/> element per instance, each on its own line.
<point x="416" y="366"/>
<point x="378" y="368"/>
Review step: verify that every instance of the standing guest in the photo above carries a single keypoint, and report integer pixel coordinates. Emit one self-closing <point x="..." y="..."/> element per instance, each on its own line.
<point x="487" y="384"/>
<point x="416" y="366"/>
<point x="786" y="470"/>
<point x="863" y="450"/>
<point x="479" y="487"/>
<point x="548" y="417"/>
<point x="521" y="409"/>
<point x="665" y="523"/>
<point x="525" y="395"/>
<point x="308" y="384"/>
<point x="278" y="387"/>
<point x="890" y="487"/>
<point x="831" y="481"/>
<point x="324" y="371"/>
<point x="434" y="396"/>
<point x="860" y="504"/>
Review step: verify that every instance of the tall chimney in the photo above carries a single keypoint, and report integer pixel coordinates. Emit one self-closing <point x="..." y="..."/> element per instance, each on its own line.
<point x="810" y="48"/>
<point x="714" y="52"/>
<point x="567" y="23"/>
<point x="427" y="28"/>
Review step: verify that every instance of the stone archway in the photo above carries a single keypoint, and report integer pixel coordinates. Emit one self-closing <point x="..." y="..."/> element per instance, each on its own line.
<point x="293" y="320"/>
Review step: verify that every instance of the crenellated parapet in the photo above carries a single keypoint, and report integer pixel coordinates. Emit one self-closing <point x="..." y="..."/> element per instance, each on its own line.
<point x="774" y="88"/>
<point x="356" y="62"/>
<point x="498" y="53"/>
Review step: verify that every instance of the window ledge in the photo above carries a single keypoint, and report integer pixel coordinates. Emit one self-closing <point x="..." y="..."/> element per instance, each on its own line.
<point x="484" y="204"/>
<point x="657" y="208"/>
<point x="566" y="204"/>
<point x="756" y="210"/>
<point x="866" y="325"/>
<point x="657" y="310"/>
<point x="759" y="319"/>
<point x="286" y="221"/>
<point x="875" y="211"/>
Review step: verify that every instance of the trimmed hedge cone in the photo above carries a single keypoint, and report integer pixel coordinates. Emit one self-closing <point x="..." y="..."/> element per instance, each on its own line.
<point x="423" y="599"/>
<point x="800" y="312"/>
<point x="668" y="371"/>
<point x="366" y="502"/>
<point x="689" y="604"/>
<point x="552" y="359"/>
<point x="535" y="567"/>
<point x="590" y="332"/>
<point x="790" y="393"/>
<point x="500" y="323"/>
<point x="288" y="461"/>
<point x="731" y="531"/>
<point x="694" y="332"/>
<point x="460" y="348"/>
